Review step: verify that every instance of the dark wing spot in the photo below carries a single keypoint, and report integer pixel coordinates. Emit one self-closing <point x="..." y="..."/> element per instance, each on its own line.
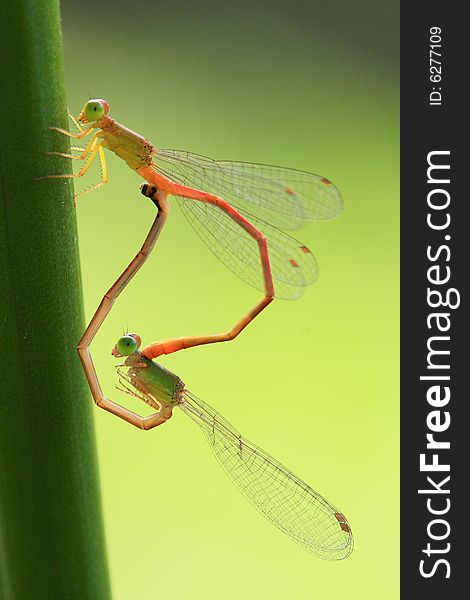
<point x="325" y="181"/>
<point x="340" y="517"/>
<point x="294" y="263"/>
<point x="342" y="522"/>
<point x="305" y="250"/>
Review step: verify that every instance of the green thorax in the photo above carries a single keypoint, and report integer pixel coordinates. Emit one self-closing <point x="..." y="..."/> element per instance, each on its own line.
<point x="136" y="150"/>
<point x="162" y="384"/>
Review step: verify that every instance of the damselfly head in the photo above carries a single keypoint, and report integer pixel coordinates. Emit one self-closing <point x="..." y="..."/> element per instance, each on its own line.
<point x="126" y="345"/>
<point x="94" y="110"/>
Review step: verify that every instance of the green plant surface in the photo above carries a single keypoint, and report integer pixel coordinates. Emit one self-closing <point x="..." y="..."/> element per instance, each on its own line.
<point x="51" y="531"/>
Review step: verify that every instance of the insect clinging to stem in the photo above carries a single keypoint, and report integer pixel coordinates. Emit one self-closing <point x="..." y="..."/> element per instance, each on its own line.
<point x="240" y="210"/>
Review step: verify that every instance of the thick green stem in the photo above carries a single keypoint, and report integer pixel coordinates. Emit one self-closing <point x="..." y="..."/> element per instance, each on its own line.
<point x="51" y="531"/>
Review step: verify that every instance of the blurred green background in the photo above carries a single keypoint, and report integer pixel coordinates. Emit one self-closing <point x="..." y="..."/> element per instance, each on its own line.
<point x="310" y="85"/>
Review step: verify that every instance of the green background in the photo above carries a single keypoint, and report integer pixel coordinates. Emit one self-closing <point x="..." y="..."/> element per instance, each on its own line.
<point x="308" y="85"/>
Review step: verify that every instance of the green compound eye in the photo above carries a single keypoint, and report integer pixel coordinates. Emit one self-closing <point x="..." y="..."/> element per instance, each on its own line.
<point x="94" y="110"/>
<point x="126" y="345"/>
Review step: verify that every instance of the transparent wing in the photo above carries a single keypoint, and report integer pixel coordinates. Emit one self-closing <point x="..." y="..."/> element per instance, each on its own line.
<point x="283" y="498"/>
<point x="283" y="197"/>
<point x="293" y="266"/>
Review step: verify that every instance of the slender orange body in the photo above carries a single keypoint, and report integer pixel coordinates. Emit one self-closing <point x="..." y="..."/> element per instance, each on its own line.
<point x="137" y="152"/>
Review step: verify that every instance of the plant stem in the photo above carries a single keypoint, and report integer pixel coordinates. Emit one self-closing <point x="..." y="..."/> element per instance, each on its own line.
<point x="51" y="532"/>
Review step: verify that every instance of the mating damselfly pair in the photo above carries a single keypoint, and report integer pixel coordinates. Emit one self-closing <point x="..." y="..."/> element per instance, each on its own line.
<point x="242" y="212"/>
